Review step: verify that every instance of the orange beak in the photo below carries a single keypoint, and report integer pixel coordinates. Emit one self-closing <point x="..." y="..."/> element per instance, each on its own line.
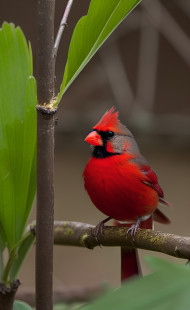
<point x="94" y="138"/>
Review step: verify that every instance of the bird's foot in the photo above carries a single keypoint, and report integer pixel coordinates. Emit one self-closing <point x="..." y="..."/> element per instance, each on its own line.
<point x="133" y="229"/>
<point x="99" y="230"/>
<point x="147" y="219"/>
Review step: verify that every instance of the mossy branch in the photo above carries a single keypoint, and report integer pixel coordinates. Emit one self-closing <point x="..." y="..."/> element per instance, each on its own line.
<point x="82" y="235"/>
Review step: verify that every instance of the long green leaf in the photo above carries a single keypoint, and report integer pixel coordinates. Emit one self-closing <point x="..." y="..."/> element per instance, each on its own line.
<point x="17" y="133"/>
<point x="90" y="33"/>
<point x="167" y="288"/>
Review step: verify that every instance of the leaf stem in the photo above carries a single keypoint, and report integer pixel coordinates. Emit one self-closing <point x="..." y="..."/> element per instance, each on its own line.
<point x="13" y="256"/>
<point x="1" y="264"/>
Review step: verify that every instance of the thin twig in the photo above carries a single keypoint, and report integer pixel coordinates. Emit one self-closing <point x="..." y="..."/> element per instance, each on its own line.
<point x="62" y="27"/>
<point x="82" y="235"/>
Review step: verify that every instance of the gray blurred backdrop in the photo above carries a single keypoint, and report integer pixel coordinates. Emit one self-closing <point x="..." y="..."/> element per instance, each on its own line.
<point x="143" y="70"/>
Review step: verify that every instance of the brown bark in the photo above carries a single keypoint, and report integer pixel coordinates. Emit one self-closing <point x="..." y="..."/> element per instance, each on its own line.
<point x="7" y="294"/>
<point x="81" y="234"/>
<point x="45" y="155"/>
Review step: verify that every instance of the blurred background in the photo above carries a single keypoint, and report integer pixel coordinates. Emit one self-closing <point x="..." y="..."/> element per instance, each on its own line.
<point x="144" y="71"/>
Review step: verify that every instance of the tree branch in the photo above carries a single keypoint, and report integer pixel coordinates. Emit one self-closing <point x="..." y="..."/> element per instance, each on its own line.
<point x="81" y="234"/>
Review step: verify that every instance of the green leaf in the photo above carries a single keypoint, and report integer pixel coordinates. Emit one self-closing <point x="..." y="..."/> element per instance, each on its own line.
<point x="165" y="289"/>
<point x="90" y="33"/>
<point x="17" y="133"/>
<point x="20" y="305"/>
<point x="157" y="264"/>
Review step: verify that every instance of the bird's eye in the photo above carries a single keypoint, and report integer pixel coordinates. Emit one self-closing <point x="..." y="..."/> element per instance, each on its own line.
<point x="110" y="134"/>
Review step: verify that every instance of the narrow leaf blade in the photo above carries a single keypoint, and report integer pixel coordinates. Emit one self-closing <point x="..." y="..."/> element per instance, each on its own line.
<point x="90" y="33"/>
<point x="17" y="132"/>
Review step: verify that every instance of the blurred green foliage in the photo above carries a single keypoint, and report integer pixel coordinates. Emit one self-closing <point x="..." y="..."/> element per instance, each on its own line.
<point x="168" y="287"/>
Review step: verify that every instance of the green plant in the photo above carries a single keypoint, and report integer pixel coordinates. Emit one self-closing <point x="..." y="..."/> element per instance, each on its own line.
<point x="166" y="288"/>
<point x="90" y="33"/>
<point x="18" y="147"/>
<point x="18" y="99"/>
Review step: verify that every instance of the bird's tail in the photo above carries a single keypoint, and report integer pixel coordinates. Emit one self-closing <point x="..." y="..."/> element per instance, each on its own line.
<point x="130" y="265"/>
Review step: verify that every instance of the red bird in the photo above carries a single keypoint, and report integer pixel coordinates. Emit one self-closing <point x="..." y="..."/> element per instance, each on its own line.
<point x="118" y="179"/>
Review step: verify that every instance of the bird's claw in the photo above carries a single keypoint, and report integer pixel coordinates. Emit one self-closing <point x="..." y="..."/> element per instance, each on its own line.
<point x="99" y="230"/>
<point x="133" y="230"/>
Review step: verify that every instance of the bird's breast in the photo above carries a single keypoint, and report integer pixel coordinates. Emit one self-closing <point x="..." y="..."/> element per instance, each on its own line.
<point x="115" y="186"/>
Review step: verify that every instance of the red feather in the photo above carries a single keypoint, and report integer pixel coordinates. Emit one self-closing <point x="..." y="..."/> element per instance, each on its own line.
<point x="119" y="180"/>
<point x="152" y="180"/>
<point x="116" y="188"/>
<point x="109" y="121"/>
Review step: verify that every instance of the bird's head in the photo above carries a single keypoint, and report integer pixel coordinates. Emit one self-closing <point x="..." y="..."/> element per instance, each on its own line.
<point x="109" y="136"/>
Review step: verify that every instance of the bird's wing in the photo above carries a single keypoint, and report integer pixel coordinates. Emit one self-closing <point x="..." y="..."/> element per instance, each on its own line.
<point x="150" y="177"/>
<point x="152" y="180"/>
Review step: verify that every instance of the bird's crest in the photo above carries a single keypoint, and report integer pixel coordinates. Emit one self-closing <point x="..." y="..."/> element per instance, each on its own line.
<point x="109" y="121"/>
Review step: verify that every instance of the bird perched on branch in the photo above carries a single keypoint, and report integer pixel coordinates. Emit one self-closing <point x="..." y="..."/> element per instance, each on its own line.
<point x="118" y="179"/>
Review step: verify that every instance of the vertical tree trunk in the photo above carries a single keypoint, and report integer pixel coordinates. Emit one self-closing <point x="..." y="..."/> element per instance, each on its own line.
<point x="45" y="156"/>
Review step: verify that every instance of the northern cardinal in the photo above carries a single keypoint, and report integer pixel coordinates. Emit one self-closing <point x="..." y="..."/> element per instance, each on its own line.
<point x="118" y="179"/>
